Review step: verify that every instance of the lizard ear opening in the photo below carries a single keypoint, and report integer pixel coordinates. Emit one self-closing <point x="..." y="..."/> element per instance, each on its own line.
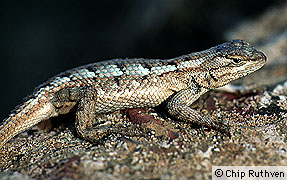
<point x="207" y="80"/>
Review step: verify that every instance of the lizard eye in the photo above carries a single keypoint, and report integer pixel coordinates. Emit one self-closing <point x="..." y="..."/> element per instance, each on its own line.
<point x="236" y="60"/>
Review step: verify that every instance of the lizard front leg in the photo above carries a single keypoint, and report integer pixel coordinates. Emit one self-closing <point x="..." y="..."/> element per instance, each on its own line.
<point x="178" y="106"/>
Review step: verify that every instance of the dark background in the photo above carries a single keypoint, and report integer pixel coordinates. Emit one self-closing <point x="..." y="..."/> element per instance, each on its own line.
<point x="39" y="39"/>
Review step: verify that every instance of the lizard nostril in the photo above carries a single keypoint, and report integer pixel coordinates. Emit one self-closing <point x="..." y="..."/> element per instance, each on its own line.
<point x="264" y="57"/>
<point x="258" y="55"/>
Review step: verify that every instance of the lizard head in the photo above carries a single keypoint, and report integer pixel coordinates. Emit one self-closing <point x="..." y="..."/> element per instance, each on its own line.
<point x="231" y="60"/>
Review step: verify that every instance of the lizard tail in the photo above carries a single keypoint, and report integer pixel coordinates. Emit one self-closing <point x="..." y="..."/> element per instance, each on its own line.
<point x="25" y="116"/>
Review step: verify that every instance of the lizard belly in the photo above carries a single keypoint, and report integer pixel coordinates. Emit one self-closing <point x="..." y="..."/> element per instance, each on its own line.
<point x="126" y="98"/>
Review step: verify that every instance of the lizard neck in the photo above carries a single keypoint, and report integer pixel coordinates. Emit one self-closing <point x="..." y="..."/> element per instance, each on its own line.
<point x="195" y="68"/>
<point x="194" y="60"/>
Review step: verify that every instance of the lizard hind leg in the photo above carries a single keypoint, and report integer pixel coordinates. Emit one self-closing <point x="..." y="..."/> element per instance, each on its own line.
<point x="85" y="117"/>
<point x="91" y="127"/>
<point x="83" y="100"/>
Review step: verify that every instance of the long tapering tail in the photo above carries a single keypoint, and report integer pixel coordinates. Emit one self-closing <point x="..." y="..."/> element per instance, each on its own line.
<point x="25" y="116"/>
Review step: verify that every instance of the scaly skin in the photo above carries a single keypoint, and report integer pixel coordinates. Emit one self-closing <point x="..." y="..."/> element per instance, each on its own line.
<point x="117" y="84"/>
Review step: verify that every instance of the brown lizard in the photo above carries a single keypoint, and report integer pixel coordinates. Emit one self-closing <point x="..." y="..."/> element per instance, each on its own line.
<point x="107" y="86"/>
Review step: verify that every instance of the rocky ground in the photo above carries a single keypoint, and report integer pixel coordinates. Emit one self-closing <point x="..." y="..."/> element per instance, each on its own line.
<point x="169" y="149"/>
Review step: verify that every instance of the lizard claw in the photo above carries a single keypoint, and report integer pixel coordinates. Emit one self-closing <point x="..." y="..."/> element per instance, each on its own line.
<point x="221" y="127"/>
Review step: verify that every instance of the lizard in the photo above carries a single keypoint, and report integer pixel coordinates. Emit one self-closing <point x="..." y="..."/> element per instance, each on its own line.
<point x="107" y="86"/>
